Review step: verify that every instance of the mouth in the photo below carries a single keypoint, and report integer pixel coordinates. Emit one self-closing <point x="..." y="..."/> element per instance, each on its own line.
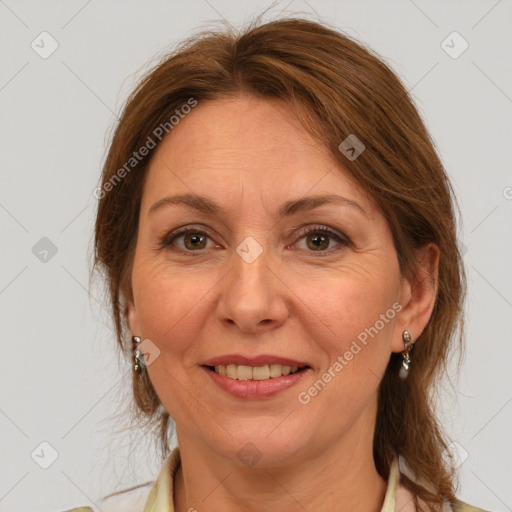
<point x="257" y="373"/>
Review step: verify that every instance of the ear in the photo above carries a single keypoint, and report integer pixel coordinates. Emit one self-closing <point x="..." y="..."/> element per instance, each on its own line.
<point x="132" y="319"/>
<point x="417" y="297"/>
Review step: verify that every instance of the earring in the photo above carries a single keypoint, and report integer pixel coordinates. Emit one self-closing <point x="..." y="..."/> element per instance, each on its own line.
<point x="406" y="359"/>
<point x="137" y="366"/>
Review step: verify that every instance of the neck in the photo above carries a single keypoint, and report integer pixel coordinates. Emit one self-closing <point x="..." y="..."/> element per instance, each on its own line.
<point x="344" y="472"/>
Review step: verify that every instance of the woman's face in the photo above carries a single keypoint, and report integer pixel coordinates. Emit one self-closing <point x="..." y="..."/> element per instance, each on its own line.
<point x="267" y="274"/>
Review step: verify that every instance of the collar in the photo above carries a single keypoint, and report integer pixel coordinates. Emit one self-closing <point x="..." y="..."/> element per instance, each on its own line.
<point x="160" y="498"/>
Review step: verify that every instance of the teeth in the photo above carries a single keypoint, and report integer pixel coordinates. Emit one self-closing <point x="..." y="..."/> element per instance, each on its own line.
<point x="231" y="371"/>
<point x="275" y="370"/>
<point x="243" y="372"/>
<point x="260" y="372"/>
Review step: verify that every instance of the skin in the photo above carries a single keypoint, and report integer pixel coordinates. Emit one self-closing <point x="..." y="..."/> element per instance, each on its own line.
<point x="250" y="156"/>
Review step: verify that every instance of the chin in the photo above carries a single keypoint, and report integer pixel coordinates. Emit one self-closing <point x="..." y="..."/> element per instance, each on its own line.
<point x="262" y="448"/>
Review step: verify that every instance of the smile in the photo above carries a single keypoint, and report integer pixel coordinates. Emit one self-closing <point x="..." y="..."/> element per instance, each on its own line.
<point x="255" y="382"/>
<point x="265" y="372"/>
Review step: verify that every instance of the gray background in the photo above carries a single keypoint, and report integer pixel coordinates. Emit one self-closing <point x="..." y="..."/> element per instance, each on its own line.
<point x="61" y="380"/>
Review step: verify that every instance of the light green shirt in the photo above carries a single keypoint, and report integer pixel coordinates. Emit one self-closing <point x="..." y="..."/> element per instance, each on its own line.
<point x="397" y="498"/>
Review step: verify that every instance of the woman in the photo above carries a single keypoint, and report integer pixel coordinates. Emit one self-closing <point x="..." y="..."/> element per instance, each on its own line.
<point x="278" y="237"/>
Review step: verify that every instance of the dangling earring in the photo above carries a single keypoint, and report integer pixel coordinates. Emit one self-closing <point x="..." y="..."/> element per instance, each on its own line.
<point x="137" y="366"/>
<point x="406" y="360"/>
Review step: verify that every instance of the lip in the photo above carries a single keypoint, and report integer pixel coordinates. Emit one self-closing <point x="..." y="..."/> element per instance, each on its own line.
<point x="255" y="389"/>
<point x="253" y="361"/>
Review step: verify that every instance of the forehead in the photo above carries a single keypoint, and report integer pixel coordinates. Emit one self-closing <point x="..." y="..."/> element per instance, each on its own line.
<point x="257" y="146"/>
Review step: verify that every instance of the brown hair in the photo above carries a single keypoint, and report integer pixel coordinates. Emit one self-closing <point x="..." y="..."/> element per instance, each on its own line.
<point x="338" y="88"/>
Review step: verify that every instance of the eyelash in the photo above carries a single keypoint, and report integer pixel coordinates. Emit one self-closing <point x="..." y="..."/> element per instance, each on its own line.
<point x="303" y="232"/>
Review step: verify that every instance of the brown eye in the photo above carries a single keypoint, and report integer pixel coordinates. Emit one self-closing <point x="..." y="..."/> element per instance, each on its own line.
<point x="194" y="240"/>
<point x="318" y="242"/>
<point x="322" y="240"/>
<point x="187" y="240"/>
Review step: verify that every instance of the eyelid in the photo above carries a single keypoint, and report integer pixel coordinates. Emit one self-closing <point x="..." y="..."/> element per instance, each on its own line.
<point x="299" y="233"/>
<point x="168" y="238"/>
<point x="308" y="228"/>
<point x="340" y="237"/>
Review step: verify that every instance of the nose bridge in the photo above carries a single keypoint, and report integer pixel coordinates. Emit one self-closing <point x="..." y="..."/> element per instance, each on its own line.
<point x="252" y="295"/>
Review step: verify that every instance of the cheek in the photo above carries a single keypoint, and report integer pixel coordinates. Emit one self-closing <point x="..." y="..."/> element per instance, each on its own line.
<point x="352" y="301"/>
<point x="166" y="303"/>
<point x="356" y="351"/>
<point x="346" y="317"/>
<point x="352" y="319"/>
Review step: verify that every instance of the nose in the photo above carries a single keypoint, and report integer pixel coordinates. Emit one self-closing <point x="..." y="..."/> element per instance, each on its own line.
<point x="253" y="296"/>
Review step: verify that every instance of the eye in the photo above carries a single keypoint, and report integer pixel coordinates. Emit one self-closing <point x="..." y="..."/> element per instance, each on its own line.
<point x="319" y="239"/>
<point x="187" y="239"/>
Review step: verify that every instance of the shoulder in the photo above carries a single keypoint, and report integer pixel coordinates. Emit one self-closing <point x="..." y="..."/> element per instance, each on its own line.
<point x="404" y="499"/>
<point x="136" y="498"/>
<point x="460" y="506"/>
<point x="129" y="500"/>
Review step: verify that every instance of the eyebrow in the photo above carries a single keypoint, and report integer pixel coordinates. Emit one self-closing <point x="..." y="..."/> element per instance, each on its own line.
<point x="205" y="205"/>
